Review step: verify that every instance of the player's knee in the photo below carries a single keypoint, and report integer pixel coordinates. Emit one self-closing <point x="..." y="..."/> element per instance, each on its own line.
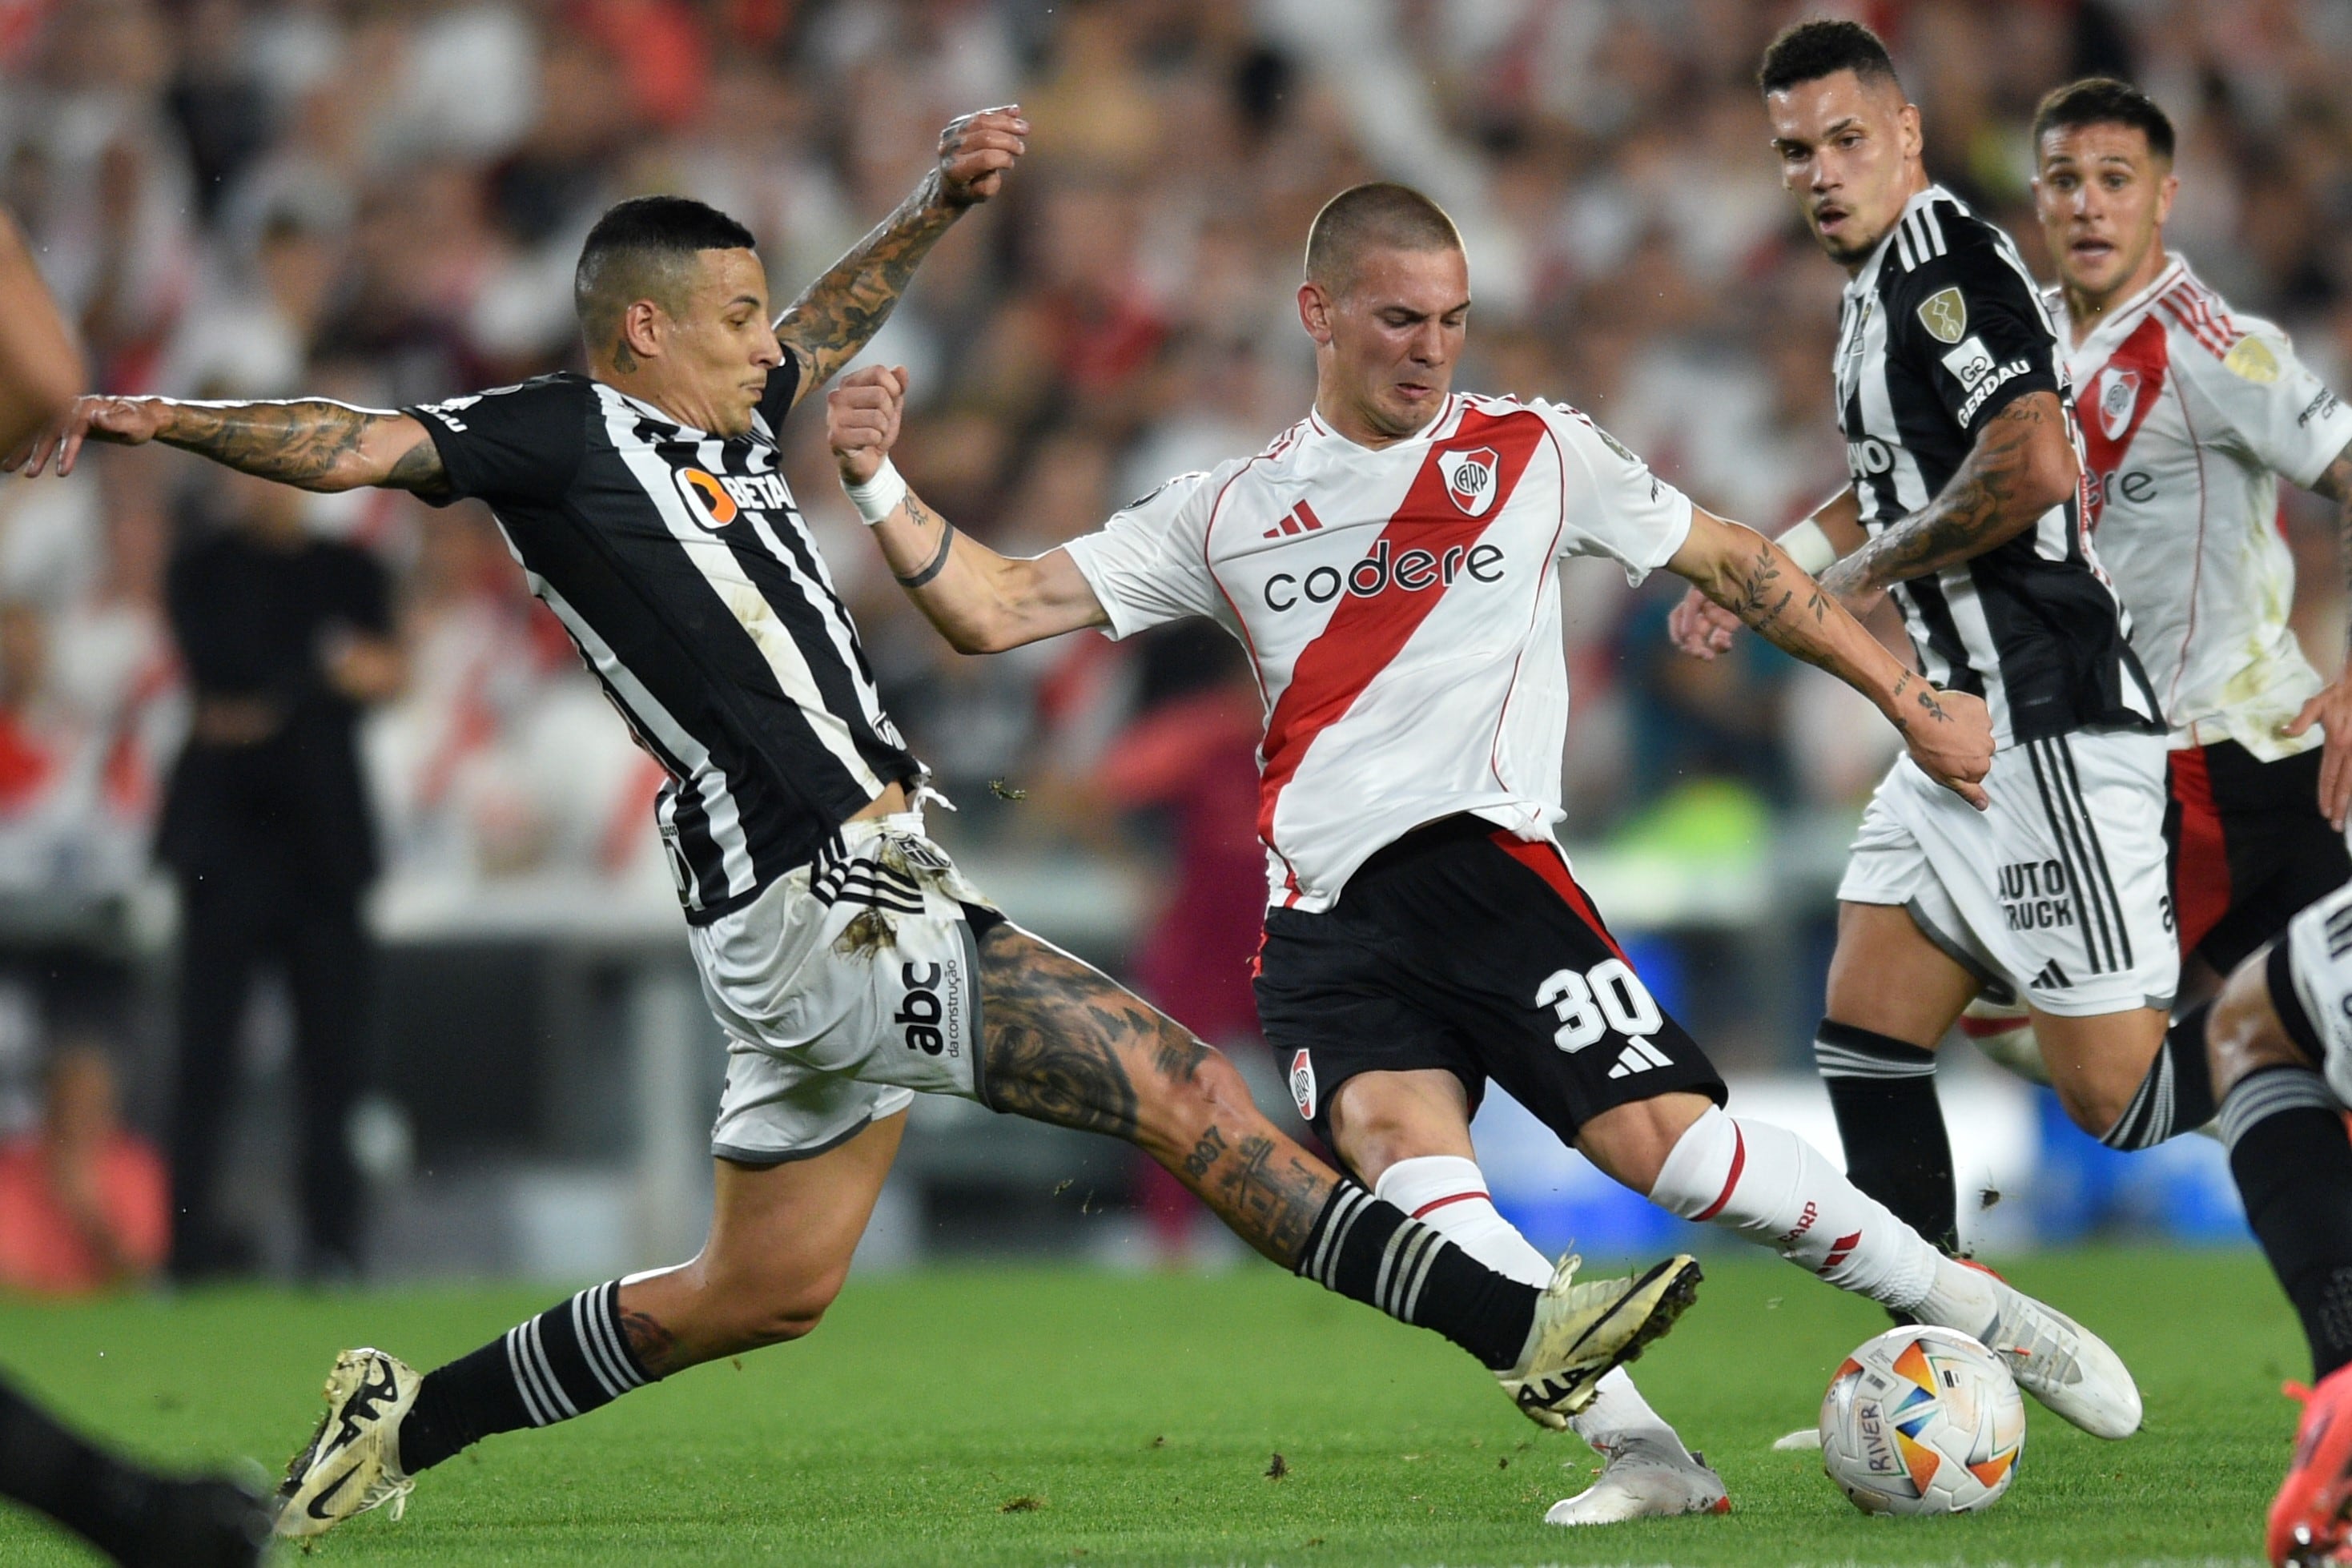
<point x="769" y="1308"/>
<point x="1197" y="1085"/>
<point x="2094" y="1107"/>
<point x="2242" y="1033"/>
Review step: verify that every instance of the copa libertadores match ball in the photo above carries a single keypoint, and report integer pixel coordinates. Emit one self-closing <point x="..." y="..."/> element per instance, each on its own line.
<point x="1922" y="1420"/>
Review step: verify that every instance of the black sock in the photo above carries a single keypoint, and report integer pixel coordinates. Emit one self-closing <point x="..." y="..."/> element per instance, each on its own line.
<point x="1883" y="1092"/>
<point x="570" y="1359"/>
<point x="1370" y="1250"/>
<point x="2177" y="1096"/>
<point x="2294" y="1167"/>
<point x="45" y="1466"/>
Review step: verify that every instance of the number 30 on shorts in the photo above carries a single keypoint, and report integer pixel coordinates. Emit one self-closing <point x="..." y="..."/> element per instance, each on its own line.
<point x="1609" y="996"/>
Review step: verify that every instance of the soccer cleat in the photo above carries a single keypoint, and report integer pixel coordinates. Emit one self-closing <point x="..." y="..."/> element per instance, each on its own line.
<point x="2308" y="1522"/>
<point x="1804" y="1439"/>
<point x="351" y="1462"/>
<point x="1644" y="1480"/>
<point x="1582" y="1331"/>
<point x="2053" y="1358"/>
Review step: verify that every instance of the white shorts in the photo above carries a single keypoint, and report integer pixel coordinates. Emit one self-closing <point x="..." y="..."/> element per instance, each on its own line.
<point x="2319" y="961"/>
<point x="2058" y="893"/>
<point x="846" y="986"/>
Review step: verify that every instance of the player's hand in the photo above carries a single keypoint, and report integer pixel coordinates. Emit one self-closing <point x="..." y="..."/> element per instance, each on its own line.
<point x="861" y="419"/>
<point x="1949" y="735"/>
<point x="976" y="150"/>
<point x="2332" y="710"/>
<point x="1701" y="627"/>
<point x="123" y="421"/>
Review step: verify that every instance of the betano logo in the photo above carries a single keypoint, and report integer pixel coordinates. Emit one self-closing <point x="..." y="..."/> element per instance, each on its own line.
<point x="713" y="506"/>
<point x="719" y="498"/>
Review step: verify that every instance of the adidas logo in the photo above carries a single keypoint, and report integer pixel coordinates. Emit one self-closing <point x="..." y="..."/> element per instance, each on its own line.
<point x="1299" y="519"/>
<point x="2051" y="977"/>
<point x="1639" y="1056"/>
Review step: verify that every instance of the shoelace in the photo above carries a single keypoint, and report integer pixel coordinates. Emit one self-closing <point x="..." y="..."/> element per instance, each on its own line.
<point x="2061" y="1355"/>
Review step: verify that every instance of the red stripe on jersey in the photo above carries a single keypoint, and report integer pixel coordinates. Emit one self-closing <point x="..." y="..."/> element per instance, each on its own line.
<point x="1545" y="861"/>
<point x="2197" y="324"/>
<point x="2201" y="861"/>
<point x="1364" y="635"/>
<point x="2138" y="363"/>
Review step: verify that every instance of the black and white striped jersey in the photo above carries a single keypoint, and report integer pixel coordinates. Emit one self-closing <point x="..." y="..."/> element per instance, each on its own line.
<point x="1941" y="330"/>
<point x="695" y="593"/>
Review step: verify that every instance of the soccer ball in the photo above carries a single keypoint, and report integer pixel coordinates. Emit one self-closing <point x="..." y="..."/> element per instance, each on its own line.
<point x="1922" y="1420"/>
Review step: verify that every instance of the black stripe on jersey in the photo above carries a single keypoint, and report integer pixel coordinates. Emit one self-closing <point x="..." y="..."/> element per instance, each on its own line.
<point x="879" y="750"/>
<point x="2098" y="850"/>
<point x="1943" y="635"/>
<point x="2098" y="942"/>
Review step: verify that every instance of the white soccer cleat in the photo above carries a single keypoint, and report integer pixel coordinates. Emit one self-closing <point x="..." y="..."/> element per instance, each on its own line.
<point x="1582" y="1331"/>
<point x="351" y="1463"/>
<point x="2053" y="1358"/>
<point x="1804" y="1439"/>
<point x="1644" y="1480"/>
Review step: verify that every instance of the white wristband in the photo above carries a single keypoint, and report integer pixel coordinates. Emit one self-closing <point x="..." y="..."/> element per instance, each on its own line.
<point x="878" y="497"/>
<point x="1810" y="548"/>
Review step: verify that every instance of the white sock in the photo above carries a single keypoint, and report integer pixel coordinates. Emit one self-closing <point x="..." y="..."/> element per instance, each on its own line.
<point x="1448" y="1194"/>
<point x="1773" y="1187"/>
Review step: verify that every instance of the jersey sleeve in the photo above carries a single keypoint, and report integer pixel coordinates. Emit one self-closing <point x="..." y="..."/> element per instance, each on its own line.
<point x="1616" y="506"/>
<point x="1149" y="564"/>
<point x="2269" y="406"/>
<point x="517" y="443"/>
<point x="776" y="397"/>
<point x="1971" y="326"/>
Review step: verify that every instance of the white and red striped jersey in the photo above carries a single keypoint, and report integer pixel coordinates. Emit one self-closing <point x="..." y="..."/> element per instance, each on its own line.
<point x="2190" y="413"/>
<point x="1402" y="609"/>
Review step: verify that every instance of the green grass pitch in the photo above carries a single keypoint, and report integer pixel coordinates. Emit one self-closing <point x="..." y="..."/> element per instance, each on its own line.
<point x="982" y="1416"/>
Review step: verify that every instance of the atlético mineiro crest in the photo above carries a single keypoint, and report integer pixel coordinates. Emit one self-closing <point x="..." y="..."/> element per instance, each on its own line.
<point x="1470" y="476"/>
<point x="2116" y="400"/>
<point x="1302" y="1084"/>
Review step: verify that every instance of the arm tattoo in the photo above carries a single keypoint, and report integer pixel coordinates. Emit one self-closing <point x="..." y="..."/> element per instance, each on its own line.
<point x="1979" y="509"/>
<point x="295" y="443"/>
<point x="836" y="315"/>
<point x="1794" y="615"/>
<point x="939" y="563"/>
<point x="1064" y="1045"/>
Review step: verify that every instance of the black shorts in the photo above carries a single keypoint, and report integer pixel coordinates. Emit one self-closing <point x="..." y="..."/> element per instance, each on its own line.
<point x="2248" y="847"/>
<point x="1461" y="947"/>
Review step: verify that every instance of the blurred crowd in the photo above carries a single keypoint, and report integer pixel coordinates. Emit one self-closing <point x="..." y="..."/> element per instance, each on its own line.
<point x="381" y="200"/>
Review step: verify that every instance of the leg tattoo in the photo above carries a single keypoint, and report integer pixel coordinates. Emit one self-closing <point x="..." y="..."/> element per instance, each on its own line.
<point x="1066" y="1045"/>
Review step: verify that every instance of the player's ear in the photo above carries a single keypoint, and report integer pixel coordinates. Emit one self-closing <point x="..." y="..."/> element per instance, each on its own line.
<point x="642" y="328"/>
<point x="1314" y="310"/>
<point x="2165" y="191"/>
<point x="1913" y="140"/>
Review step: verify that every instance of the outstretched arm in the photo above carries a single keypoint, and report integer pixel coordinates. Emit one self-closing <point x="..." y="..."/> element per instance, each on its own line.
<point x="1703" y="628"/>
<point x="837" y="315"/>
<point x="2022" y="466"/>
<point x="2332" y="709"/>
<point x="40" y="369"/>
<point x="1948" y="733"/>
<point x="981" y="601"/>
<point x="311" y="443"/>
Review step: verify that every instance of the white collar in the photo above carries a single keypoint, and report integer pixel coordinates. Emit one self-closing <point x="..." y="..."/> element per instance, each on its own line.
<point x="2118" y="323"/>
<point x="1319" y="430"/>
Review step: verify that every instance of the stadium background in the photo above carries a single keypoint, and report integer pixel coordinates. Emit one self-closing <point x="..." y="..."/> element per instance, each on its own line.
<point x="381" y="201"/>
